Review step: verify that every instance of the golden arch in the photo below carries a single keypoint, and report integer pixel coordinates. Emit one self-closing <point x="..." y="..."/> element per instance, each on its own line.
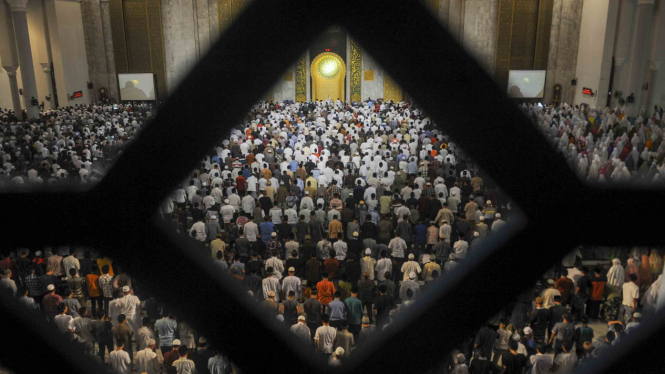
<point x="328" y="72"/>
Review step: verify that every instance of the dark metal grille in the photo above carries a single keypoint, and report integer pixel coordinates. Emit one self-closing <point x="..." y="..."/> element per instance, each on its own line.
<point x="117" y="216"/>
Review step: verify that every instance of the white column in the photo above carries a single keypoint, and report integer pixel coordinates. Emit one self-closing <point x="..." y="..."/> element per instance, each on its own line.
<point x="348" y="69"/>
<point x="20" y="20"/>
<point x="47" y="69"/>
<point x="308" y="82"/>
<point x="13" y="88"/>
<point x="654" y="67"/>
<point x="639" y="50"/>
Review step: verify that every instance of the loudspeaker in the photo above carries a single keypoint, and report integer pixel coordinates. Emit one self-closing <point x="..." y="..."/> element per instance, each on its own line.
<point x="630" y="98"/>
<point x="90" y="85"/>
<point x="20" y="91"/>
<point x="573" y="82"/>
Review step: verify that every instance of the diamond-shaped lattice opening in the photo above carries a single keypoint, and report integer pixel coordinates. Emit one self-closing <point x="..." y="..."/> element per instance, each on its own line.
<point x="399" y="47"/>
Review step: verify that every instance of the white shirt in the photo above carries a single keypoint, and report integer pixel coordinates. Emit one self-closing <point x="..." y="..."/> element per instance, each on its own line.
<point x="217" y="365"/>
<point x="382" y="266"/>
<point x="184" y="366"/>
<point x="146" y="361"/>
<point x="630" y="291"/>
<point x="292" y="283"/>
<point x="271" y="284"/>
<point x="64" y="322"/>
<point x="120" y="361"/>
<point x="326" y="337"/>
<point x="277" y="266"/>
<point x="408" y="267"/>
<point x="200" y="229"/>
<point x="227" y="212"/>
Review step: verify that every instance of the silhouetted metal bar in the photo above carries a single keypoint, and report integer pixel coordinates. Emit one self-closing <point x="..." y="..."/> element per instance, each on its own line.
<point x="61" y="217"/>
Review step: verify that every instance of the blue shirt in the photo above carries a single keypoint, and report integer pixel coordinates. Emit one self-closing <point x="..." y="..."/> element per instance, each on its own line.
<point x="246" y="174"/>
<point x="294" y="166"/>
<point x="336" y="308"/>
<point x="421" y="233"/>
<point x="165" y="328"/>
<point x="375" y="216"/>
<point x="266" y="229"/>
<point x="412" y="168"/>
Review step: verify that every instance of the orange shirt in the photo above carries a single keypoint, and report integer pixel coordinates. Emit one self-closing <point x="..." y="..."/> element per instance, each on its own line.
<point x="93" y="286"/>
<point x="326" y="291"/>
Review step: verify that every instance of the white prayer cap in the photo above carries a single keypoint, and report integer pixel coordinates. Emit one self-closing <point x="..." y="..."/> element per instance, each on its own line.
<point x="411" y="257"/>
<point x="274" y="234"/>
<point x="489" y="202"/>
<point x="476" y="234"/>
<point x="125" y="289"/>
<point x="339" y="351"/>
<point x="306" y="192"/>
<point x="412" y="275"/>
<point x="482" y="218"/>
<point x="368" y="251"/>
<point x="176" y="342"/>
<point x="151" y="342"/>
<point x="498" y="215"/>
<point x="527" y="330"/>
<point x="226" y="201"/>
<point x="50" y="287"/>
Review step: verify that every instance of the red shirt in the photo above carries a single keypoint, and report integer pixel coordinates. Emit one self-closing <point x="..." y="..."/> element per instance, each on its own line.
<point x="240" y="183"/>
<point x="331" y="265"/>
<point x="51" y="302"/>
<point x="169" y="358"/>
<point x="565" y="286"/>
<point x="326" y="291"/>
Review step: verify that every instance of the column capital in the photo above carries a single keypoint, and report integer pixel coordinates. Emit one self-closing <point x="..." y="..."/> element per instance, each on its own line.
<point x="646" y="2"/>
<point x="618" y="61"/>
<point x="17" y="6"/>
<point x="46" y="66"/>
<point x="10" y="69"/>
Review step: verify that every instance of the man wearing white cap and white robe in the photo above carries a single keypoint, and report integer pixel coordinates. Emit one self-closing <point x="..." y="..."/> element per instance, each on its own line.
<point x="301" y="330"/>
<point x="498" y="223"/>
<point x="410" y="266"/>
<point x="367" y="264"/>
<point x="127" y="306"/>
<point x="146" y="360"/>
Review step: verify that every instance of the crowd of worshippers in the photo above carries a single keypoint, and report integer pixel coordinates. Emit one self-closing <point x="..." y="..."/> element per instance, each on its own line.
<point x="604" y="145"/>
<point x="67" y="146"/>
<point x="545" y="331"/>
<point x="335" y="218"/>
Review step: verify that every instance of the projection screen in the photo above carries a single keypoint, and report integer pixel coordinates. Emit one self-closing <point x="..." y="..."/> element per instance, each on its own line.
<point x="137" y="86"/>
<point x="528" y="84"/>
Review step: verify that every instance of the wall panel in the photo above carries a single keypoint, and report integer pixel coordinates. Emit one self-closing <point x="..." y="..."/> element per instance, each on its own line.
<point x="118" y="36"/>
<point x="523" y="40"/>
